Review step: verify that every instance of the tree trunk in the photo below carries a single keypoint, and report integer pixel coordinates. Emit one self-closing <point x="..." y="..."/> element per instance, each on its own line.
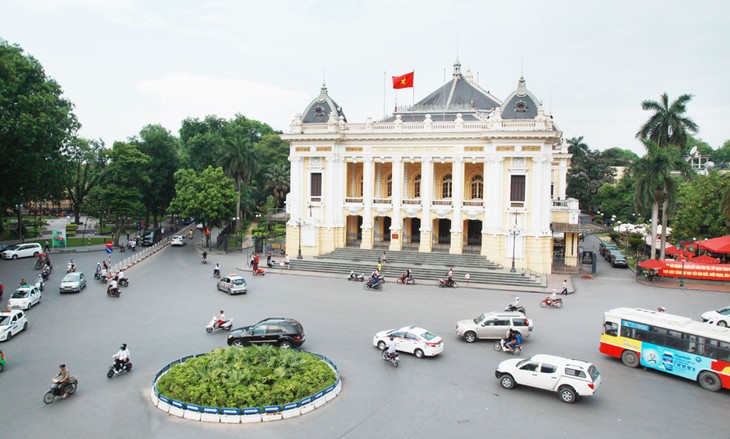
<point x="238" y="206"/>
<point x="77" y="213"/>
<point x="665" y="207"/>
<point x="654" y="219"/>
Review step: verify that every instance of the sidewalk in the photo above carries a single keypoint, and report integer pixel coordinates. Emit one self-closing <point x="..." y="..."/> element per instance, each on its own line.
<point x="689" y="284"/>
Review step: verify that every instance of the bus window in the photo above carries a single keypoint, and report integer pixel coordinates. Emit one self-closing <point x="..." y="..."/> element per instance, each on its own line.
<point x="610" y="328"/>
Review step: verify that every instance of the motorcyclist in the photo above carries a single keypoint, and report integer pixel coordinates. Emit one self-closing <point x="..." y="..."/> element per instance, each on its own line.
<point x="553" y="296"/>
<point x="97" y="273"/>
<point x="121" y="358"/>
<point x="72" y="266"/>
<point x="390" y="351"/>
<point x="375" y="278"/>
<point x="450" y="276"/>
<point x="217" y="270"/>
<point x="205" y="256"/>
<point x="61" y="379"/>
<point x="221" y="320"/>
<point x="515" y="339"/>
<point x="113" y="286"/>
<point x="514" y="304"/>
<point x="23" y="283"/>
<point x="407" y="276"/>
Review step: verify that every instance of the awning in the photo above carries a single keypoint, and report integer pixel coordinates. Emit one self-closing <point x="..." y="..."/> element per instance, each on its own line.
<point x="652" y="264"/>
<point x="716" y="245"/>
<point x="705" y="259"/>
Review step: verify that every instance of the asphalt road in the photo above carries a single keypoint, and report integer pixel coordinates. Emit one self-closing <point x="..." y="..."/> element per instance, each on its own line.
<point x="172" y="296"/>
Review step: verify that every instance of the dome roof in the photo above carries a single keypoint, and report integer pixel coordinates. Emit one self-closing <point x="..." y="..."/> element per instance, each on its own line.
<point x="521" y="104"/>
<point x="318" y="111"/>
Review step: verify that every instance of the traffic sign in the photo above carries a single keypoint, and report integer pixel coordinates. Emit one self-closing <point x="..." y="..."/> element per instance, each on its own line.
<point x="109" y="244"/>
<point x="109" y="251"/>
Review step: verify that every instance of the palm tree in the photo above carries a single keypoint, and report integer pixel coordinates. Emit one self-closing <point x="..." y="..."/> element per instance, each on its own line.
<point x="238" y="160"/>
<point x="277" y="181"/>
<point x="577" y="147"/>
<point x="668" y="125"/>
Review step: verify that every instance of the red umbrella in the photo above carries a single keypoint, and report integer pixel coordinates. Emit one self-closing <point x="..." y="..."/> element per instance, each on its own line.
<point x="652" y="264"/>
<point x="706" y="259"/>
<point x="716" y="245"/>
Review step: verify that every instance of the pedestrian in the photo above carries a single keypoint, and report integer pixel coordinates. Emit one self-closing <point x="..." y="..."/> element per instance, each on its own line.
<point x="565" y="287"/>
<point x="384" y="257"/>
<point x="47" y="248"/>
<point x="379" y="267"/>
<point x="127" y="236"/>
<point x="250" y="260"/>
<point x="286" y="261"/>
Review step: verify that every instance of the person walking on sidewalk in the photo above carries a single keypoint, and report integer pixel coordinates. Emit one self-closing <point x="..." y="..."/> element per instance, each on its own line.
<point x="565" y="287"/>
<point x="47" y="248"/>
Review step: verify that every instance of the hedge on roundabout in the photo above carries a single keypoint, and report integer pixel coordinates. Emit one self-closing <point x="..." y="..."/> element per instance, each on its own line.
<point x="246" y="377"/>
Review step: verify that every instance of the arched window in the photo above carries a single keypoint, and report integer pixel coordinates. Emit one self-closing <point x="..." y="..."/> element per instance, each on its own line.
<point x="446" y="186"/>
<point x="417" y="186"/>
<point x="389" y="186"/>
<point x="477" y="187"/>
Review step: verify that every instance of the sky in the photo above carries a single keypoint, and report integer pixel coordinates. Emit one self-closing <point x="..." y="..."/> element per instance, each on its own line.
<point x="129" y="63"/>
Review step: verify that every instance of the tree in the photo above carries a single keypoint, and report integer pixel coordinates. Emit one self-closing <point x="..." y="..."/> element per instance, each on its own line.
<point x="208" y="197"/>
<point x="36" y="122"/>
<point x="701" y="214"/>
<point x="202" y="142"/>
<point x="577" y="147"/>
<point x="619" y="157"/>
<point x="86" y="160"/>
<point x="668" y="125"/>
<point x="277" y="181"/>
<point x="587" y="173"/>
<point x="617" y="199"/>
<point x="722" y="154"/>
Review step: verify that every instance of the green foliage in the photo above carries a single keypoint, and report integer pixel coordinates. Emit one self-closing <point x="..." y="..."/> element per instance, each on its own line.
<point x="722" y="154"/>
<point x="247" y="377"/>
<point x="668" y="125"/>
<point x="86" y="160"/>
<point x="700" y="207"/>
<point x="636" y="241"/>
<point x="617" y="199"/>
<point x="619" y="157"/>
<point x="588" y="171"/>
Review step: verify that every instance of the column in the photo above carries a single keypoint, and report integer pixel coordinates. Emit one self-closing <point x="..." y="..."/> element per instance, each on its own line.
<point x="296" y="195"/>
<point x="396" y="221"/>
<point x="563" y="180"/>
<point x="493" y="204"/>
<point x="426" y="196"/>
<point x="367" y="195"/>
<point x="457" y="240"/>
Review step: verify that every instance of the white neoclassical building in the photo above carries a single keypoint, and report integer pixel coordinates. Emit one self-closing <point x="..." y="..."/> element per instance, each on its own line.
<point x="461" y="171"/>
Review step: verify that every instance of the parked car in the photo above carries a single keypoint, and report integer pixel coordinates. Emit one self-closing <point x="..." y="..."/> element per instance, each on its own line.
<point x="177" y="241"/>
<point x="604" y="247"/>
<point x="611" y="254"/>
<point x="25" y="297"/>
<point x="411" y="339"/>
<point x="720" y="317"/>
<point x="11" y="322"/>
<point x="28" y="250"/>
<point x="232" y="284"/>
<point x="283" y="332"/>
<point x="188" y="221"/>
<point x="152" y="237"/>
<point x="571" y="379"/>
<point x="619" y="260"/>
<point x="493" y="325"/>
<point x="73" y="282"/>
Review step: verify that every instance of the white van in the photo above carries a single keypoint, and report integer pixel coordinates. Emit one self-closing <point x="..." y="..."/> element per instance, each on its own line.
<point x="31" y="249"/>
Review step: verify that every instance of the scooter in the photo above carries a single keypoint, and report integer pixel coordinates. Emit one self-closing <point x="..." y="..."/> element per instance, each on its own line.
<point x="46" y="272"/>
<point x="546" y="302"/>
<point x="70" y="268"/>
<point x="445" y="283"/>
<point x="501" y="345"/>
<point x="114" y="370"/>
<point x="392" y="359"/>
<point x="99" y="276"/>
<point x="116" y="292"/>
<point x="514" y="307"/>
<point x="356" y="277"/>
<point x="259" y="272"/>
<point x="406" y="280"/>
<point x="39" y="283"/>
<point x="213" y="326"/>
<point x="205" y="259"/>
<point x="124" y="282"/>
<point x="56" y="390"/>
<point x="370" y="285"/>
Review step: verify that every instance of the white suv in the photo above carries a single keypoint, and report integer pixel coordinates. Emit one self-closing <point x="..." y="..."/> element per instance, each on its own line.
<point x="493" y="325"/>
<point x="570" y="378"/>
<point x="28" y="250"/>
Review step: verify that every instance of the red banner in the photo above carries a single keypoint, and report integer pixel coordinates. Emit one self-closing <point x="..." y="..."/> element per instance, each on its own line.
<point x="696" y="271"/>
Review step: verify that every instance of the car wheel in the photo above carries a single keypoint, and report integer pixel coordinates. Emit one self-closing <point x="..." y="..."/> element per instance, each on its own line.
<point x="629" y="358"/>
<point x="470" y="337"/>
<point x="14" y="257"/>
<point x="709" y="381"/>
<point x="567" y="395"/>
<point x="238" y="343"/>
<point x="10" y="335"/>
<point x="229" y="292"/>
<point x="285" y="344"/>
<point x="25" y="326"/>
<point x="507" y="381"/>
<point x="418" y="353"/>
<point x="381" y="345"/>
<point x="722" y="323"/>
<point x="35" y="255"/>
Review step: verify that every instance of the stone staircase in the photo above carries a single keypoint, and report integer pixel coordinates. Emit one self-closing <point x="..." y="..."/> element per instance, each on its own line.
<point x="426" y="267"/>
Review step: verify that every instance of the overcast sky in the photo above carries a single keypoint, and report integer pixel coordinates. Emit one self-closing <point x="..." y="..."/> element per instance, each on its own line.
<point x="129" y="63"/>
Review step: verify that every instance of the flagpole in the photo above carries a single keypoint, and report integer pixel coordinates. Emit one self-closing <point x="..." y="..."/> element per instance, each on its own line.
<point x="385" y="90"/>
<point x="413" y="90"/>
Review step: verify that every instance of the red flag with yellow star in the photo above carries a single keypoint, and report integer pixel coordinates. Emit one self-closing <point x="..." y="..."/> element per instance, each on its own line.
<point x="403" y="81"/>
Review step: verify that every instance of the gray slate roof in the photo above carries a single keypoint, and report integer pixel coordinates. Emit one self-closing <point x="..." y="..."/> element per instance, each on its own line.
<point x="319" y="109"/>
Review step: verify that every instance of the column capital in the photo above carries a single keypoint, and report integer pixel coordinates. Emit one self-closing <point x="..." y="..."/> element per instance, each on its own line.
<point x="295" y="158"/>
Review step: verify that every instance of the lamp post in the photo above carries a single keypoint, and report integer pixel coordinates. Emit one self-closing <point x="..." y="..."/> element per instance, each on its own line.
<point x="514" y="231"/>
<point x="681" y="255"/>
<point x="299" y="253"/>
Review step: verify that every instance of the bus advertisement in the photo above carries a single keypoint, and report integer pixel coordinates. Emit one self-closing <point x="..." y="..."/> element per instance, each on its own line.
<point x="669" y="343"/>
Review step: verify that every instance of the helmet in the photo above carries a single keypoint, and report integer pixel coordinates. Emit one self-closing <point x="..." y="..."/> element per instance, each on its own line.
<point x="517" y="298"/>
<point x="124" y="346"/>
<point x="554" y="291"/>
<point x="221" y="311"/>
<point x="62" y="366"/>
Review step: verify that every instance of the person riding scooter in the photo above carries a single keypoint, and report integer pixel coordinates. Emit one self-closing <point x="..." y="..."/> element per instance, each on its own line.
<point x="60" y="380"/>
<point x="221" y="320"/>
<point x="390" y="351"/>
<point x="514" y="339"/>
<point x="121" y="358"/>
<point x="217" y="270"/>
<point x="205" y="257"/>
<point x="375" y="278"/>
<point x="71" y="266"/>
<point x="113" y="288"/>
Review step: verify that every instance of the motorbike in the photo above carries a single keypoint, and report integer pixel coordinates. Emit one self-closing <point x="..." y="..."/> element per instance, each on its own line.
<point x="39" y="283"/>
<point x="259" y="272"/>
<point x="356" y="277"/>
<point x="392" y="359"/>
<point x="46" y="272"/>
<point x="100" y="277"/>
<point x="547" y="302"/>
<point x="445" y="283"/>
<point x="513" y="307"/>
<point x="501" y="345"/>
<point x="56" y="390"/>
<point x="131" y="245"/>
<point x="70" y="268"/>
<point x="116" y="292"/>
<point x="212" y="326"/>
<point x="370" y="285"/>
<point x="124" y="282"/>
<point x="115" y="370"/>
<point x="205" y="259"/>
<point x="217" y="274"/>
<point x="406" y="280"/>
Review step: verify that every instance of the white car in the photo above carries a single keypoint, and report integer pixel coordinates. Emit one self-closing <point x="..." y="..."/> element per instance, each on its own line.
<point x="25" y="297"/>
<point x="73" y="283"/>
<point x="721" y="317"/>
<point x="28" y="250"/>
<point x="493" y="325"/>
<point x="11" y="322"/>
<point x="411" y="339"/>
<point x="177" y="241"/>
<point x="233" y="284"/>
<point x="571" y="379"/>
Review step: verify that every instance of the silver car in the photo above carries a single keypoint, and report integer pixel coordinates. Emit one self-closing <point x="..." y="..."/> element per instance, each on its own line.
<point x="73" y="283"/>
<point x="493" y="325"/>
<point x="233" y="284"/>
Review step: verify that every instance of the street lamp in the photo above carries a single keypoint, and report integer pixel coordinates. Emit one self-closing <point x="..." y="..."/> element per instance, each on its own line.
<point x="299" y="224"/>
<point x="514" y="231"/>
<point x="681" y="256"/>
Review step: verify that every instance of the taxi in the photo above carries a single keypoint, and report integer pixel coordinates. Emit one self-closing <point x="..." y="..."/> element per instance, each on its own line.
<point x="25" y="297"/>
<point x="411" y="339"/>
<point x="233" y="284"/>
<point x="12" y="321"/>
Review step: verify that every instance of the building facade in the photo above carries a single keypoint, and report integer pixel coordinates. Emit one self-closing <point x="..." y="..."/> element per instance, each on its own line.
<point x="460" y="172"/>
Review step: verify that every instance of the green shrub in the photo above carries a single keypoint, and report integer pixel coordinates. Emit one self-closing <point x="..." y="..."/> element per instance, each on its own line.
<point x="247" y="377"/>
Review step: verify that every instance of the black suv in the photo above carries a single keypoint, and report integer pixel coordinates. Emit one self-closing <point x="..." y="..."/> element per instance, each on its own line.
<point x="280" y="331"/>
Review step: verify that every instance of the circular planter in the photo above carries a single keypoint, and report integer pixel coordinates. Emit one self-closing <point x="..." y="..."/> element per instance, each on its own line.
<point x="236" y="415"/>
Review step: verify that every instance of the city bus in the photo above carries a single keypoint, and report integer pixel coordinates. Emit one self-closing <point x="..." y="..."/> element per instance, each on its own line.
<point x="669" y="343"/>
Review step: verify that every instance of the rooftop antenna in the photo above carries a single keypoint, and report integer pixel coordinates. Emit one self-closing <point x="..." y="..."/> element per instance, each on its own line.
<point x="323" y="76"/>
